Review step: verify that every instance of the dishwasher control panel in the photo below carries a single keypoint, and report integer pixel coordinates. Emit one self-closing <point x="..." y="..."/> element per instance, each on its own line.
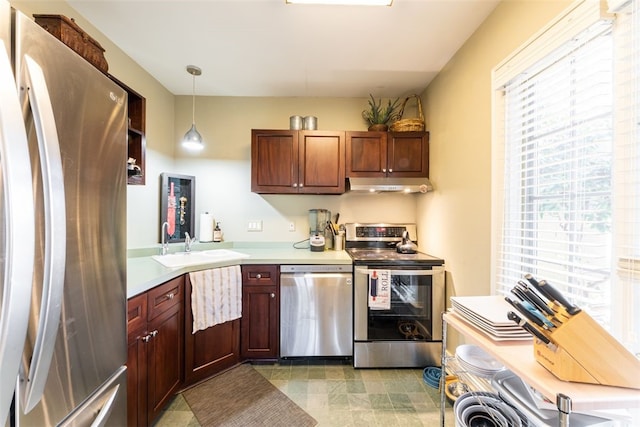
<point x="316" y="268"/>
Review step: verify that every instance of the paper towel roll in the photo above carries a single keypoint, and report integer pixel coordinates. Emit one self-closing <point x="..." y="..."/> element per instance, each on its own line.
<point x="207" y="223"/>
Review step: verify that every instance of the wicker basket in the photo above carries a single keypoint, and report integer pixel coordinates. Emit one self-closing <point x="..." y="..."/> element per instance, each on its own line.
<point x="409" y="125"/>
<point x="68" y="32"/>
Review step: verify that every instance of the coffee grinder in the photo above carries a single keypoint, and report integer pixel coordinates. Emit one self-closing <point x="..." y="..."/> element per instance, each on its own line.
<point x="320" y="233"/>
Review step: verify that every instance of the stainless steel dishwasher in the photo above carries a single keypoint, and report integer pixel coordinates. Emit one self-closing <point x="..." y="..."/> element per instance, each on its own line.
<point x="316" y="310"/>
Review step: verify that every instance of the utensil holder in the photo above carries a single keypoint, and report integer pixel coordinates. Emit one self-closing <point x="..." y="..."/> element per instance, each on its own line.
<point x="587" y="353"/>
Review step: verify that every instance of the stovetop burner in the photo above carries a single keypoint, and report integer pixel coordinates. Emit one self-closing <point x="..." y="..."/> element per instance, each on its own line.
<point x="391" y="256"/>
<point x="375" y="243"/>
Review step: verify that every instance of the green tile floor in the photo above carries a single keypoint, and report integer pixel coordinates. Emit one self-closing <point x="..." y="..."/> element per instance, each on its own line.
<point x="336" y="394"/>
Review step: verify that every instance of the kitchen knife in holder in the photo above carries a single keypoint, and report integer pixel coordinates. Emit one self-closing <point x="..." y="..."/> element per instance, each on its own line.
<point x="587" y="353"/>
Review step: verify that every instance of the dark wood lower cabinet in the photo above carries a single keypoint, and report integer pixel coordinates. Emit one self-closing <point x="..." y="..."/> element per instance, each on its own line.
<point x="166" y="364"/>
<point x="164" y="356"/>
<point x="137" y="361"/>
<point x="211" y="350"/>
<point x="260" y="334"/>
<point x="155" y="360"/>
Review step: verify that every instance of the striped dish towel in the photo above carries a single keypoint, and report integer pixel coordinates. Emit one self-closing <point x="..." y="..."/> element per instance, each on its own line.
<point x="216" y="296"/>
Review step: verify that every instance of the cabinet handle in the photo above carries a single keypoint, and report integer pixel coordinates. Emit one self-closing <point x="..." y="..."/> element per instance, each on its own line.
<point x="258" y="276"/>
<point x="146" y="338"/>
<point x="390" y="170"/>
<point x="301" y="185"/>
<point x="273" y="295"/>
<point x="384" y="170"/>
<point x="295" y="184"/>
<point x="154" y="333"/>
<point x="170" y="295"/>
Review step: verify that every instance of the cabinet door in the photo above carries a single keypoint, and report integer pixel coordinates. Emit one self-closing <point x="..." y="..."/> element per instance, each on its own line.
<point x="260" y="326"/>
<point x="366" y="154"/>
<point x="321" y="157"/>
<point x="260" y="322"/>
<point x="165" y="346"/>
<point x="136" y="382"/>
<point x="137" y="361"/>
<point x="274" y="161"/>
<point x="408" y="154"/>
<point x="165" y="359"/>
<point x="211" y="350"/>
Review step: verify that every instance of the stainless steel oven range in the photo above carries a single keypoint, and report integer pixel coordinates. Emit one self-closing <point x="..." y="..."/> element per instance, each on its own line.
<point x="398" y="299"/>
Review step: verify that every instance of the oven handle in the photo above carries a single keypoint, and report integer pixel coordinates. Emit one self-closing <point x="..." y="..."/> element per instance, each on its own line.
<point x="431" y="272"/>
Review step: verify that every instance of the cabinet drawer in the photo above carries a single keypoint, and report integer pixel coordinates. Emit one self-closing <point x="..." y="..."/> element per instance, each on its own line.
<point x="260" y="274"/>
<point x="136" y="313"/>
<point x="165" y="296"/>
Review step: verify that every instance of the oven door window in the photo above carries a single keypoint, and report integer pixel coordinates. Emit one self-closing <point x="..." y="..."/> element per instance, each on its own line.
<point x="407" y="314"/>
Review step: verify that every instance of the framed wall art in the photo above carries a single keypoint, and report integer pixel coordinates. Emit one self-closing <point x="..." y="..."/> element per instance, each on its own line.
<point x="177" y="206"/>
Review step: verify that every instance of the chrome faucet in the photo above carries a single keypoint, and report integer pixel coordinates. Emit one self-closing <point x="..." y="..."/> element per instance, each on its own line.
<point x="188" y="241"/>
<point x="164" y="249"/>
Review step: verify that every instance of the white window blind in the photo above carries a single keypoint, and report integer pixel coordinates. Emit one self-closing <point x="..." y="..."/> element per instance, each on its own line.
<point x="557" y="174"/>
<point x="566" y="195"/>
<point x="625" y="318"/>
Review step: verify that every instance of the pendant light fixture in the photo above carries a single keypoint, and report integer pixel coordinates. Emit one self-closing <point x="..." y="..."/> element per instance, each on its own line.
<point x="192" y="139"/>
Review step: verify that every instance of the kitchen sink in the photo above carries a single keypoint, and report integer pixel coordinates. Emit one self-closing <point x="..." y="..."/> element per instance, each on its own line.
<point x="184" y="259"/>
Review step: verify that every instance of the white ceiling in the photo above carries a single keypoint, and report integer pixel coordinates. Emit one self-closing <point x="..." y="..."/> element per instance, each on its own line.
<point x="269" y="48"/>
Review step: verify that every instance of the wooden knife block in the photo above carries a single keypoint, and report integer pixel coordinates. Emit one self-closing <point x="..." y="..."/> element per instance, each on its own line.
<point x="587" y="353"/>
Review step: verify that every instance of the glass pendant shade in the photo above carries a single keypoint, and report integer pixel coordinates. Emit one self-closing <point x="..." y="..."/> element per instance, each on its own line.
<point x="192" y="140"/>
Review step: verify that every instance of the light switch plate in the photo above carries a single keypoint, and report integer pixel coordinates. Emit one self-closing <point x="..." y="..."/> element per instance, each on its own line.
<point x="254" y="225"/>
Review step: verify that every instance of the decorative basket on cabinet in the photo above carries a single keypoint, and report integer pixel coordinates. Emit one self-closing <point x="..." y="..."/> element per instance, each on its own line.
<point x="409" y="125"/>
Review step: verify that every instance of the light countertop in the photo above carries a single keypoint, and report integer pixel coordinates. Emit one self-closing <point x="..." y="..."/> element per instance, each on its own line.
<point x="144" y="273"/>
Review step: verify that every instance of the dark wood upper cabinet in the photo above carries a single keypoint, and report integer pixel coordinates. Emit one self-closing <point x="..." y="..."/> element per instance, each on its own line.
<point x="297" y="162"/>
<point x="366" y="154"/>
<point x="136" y="139"/>
<point x="392" y="154"/>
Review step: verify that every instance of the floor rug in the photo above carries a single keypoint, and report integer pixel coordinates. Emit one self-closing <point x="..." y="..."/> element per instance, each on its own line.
<point x="242" y="397"/>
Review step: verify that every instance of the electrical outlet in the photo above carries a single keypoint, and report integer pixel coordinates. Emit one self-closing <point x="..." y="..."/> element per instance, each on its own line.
<point x="292" y="226"/>
<point x="255" y="225"/>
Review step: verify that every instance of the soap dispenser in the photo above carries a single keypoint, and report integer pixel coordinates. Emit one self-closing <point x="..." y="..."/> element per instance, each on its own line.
<point x="217" y="233"/>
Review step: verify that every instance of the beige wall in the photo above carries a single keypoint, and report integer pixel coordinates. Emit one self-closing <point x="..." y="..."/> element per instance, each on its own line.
<point x="223" y="174"/>
<point x="142" y="201"/>
<point x="223" y="170"/>
<point x="456" y="219"/>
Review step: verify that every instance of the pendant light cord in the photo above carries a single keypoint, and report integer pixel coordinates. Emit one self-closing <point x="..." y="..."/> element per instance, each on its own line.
<point x="193" y="103"/>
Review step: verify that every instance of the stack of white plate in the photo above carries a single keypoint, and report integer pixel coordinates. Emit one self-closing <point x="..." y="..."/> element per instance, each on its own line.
<point x="476" y="361"/>
<point x="489" y="314"/>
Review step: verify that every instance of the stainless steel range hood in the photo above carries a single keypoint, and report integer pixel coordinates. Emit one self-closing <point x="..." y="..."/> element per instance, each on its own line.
<point x="397" y="185"/>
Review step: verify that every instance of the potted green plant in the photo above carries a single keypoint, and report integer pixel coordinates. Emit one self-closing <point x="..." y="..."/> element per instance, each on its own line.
<point x="378" y="116"/>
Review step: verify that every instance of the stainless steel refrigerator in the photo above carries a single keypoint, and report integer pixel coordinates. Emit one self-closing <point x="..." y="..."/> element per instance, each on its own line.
<point x="62" y="233"/>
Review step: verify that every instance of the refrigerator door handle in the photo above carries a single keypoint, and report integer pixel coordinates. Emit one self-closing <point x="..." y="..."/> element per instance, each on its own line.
<point x="97" y="410"/>
<point x="18" y="231"/>
<point x="107" y="408"/>
<point x="55" y="230"/>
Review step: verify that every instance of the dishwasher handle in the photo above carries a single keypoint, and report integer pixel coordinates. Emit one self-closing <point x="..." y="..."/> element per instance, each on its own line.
<point x="316" y="268"/>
